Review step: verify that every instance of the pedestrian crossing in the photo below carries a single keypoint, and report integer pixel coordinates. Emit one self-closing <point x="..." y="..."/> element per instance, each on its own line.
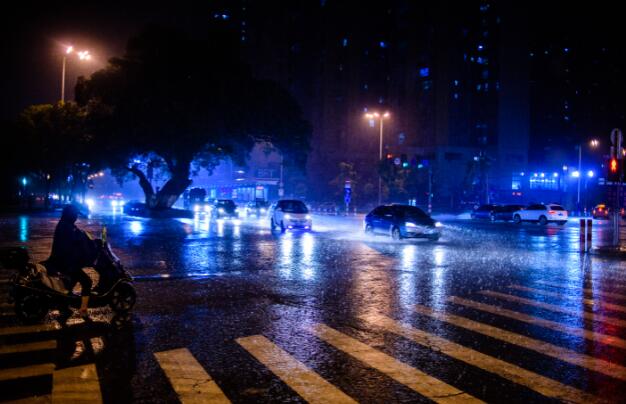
<point x="486" y="315"/>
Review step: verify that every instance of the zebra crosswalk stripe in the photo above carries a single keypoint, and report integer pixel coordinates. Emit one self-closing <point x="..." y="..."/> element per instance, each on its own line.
<point x="585" y="301"/>
<point x="616" y="296"/>
<point x="28" y="329"/>
<point x="541" y="322"/>
<point x="558" y="309"/>
<point x="26" y="371"/>
<point x="78" y="384"/>
<point x="308" y="384"/>
<point x="545" y="348"/>
<point x="28" y="347"/>
<point x="188" y="378"/>
<point x="420" y="382"/>
<point x="541" y="384"/>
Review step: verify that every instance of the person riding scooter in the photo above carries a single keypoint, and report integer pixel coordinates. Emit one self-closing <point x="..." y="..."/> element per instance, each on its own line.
<point x="72" y="250"/>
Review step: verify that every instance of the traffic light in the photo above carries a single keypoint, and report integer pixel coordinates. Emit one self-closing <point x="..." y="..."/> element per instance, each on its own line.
<point x="614" y="170"/>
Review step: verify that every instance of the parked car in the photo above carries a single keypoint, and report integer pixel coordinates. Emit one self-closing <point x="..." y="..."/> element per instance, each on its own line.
<point x="224" y="208"/>
<point x="505" y="212"/>
<point x="401" y="221"/>
<point x="135" y="208"/>
<point x="483" y="212"/>
<point x="290" y="214"/>
<point x="601" y="211"/>
<point x="542" y="214"/>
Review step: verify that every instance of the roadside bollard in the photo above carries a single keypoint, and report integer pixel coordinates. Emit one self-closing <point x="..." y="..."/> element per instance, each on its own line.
<point x="589" y="238"/>
<point x="582" y="235"/>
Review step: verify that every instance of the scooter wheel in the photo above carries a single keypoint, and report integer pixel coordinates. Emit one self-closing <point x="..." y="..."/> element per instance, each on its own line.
<point x="31" y="308"/>
<point x="123" y="298"/>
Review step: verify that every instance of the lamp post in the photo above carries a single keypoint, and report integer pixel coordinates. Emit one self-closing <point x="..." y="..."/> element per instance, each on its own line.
<point x="593" y="144"/>
<point x="381" y="117"/>
<point x="82" y="55"/>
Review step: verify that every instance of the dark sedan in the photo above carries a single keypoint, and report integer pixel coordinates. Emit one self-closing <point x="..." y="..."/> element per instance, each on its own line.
<point x="224" y="208"/>
<point x="483" y="212"/>
<point x="401" y="221"/>
<point x="505" y="212"/>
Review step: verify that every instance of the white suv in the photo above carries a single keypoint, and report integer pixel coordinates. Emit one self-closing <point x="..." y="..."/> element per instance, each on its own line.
<point x="543" y="214"/>
<point x="290" y="214"/>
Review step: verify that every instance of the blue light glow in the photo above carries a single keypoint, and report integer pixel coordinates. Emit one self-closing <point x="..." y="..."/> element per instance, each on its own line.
<point x="424" y="72"/>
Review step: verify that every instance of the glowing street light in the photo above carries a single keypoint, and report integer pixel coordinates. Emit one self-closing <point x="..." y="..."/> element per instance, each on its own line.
<point x="590" y="173"/>
<point x="593" y="143"/>
<point x="82" y="55"/>
<point x="381" y="117"/>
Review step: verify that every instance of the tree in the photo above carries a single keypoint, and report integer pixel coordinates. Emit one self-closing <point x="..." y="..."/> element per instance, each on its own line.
<point x="57" y="149"/>
<point x="174" y="100"/>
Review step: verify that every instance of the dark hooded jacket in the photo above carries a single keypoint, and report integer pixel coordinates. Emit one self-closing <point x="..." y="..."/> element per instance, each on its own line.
<point x="70" y="246"/>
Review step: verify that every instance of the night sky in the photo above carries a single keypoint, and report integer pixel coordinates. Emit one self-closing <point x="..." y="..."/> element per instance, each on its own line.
<point x="34" y="33"/>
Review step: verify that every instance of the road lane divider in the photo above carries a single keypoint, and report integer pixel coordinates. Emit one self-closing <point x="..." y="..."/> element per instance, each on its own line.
<point x="617" y="322"/>
<point x="590" y="291"/>
<point x="418" y="381"/>
<point x="541" y="384"/>
<point x="304" y="381"/>
<point x="77" y="384"/>
<point x="188" y="378"/>
<point x="541" y="322"/>
<point x="26" y="371"/>
<point x="28" y="347"/>
<point x="563" y="354"/>
<point x="585" y="301"/>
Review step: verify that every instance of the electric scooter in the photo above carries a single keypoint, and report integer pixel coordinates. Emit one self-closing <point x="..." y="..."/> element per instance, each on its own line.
<point x="35" y="292"/>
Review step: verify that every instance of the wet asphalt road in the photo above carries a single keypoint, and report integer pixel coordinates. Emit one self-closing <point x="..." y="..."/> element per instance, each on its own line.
<point x="492" y="311"/>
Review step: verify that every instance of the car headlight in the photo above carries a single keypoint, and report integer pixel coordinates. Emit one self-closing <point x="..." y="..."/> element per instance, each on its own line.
<point x="308" y="217"/>
<point x="438" y="224"/>
<point x="287" y="216"/>
<point x="114" y="203"/>
<point x="220" y="210"/>
<point x="410" y="224"/>
<point x="196" y="208"/>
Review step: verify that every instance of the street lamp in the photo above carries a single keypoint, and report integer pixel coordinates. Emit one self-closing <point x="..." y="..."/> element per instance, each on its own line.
<point x="82" y="55"/>
<point x="593" y="143"/>
<point x="381" y="117"/>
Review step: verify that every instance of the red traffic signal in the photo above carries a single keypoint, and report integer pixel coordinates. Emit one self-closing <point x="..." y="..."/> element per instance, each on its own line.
<point x="614" y="170"/>
<point x="613" y="165"/>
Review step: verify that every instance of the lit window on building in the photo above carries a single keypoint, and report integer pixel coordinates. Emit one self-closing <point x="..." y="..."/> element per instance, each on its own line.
<point x="479" y="87"/>
<point x="566" y="118"/>
<point x="456" y="83"/>
<point x="365" y="86"/>
<point x="381" y="100"/>
<point x="426" y="85"/>
<point x="456" y="96"/>
<point x="424" y="72"/>
<point x="481" y="47"/>
<point x="542" y="181"/>
<point x="344" y="42"/>
<point x="221" y="16"/>
<point x="382" y="44"/>
<point x="516" y="183"/>
<point x="566" y="50"/>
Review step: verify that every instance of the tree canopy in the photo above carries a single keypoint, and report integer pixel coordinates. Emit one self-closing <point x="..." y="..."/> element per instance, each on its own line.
<point x="177" y="100"/>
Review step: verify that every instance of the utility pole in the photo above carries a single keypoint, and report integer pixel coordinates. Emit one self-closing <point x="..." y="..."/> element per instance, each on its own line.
<point x="617" y="153"/>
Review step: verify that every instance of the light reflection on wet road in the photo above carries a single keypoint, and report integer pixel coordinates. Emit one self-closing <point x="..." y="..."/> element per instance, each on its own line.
<point x="203" y="284"/>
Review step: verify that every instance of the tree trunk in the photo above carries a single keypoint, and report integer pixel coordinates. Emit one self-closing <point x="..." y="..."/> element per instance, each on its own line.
<point x="174" y="187"/>
<point x="145" y="186"/>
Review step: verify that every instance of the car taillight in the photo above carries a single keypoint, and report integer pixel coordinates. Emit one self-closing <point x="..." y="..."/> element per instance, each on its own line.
<point x="552" y="212"/>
